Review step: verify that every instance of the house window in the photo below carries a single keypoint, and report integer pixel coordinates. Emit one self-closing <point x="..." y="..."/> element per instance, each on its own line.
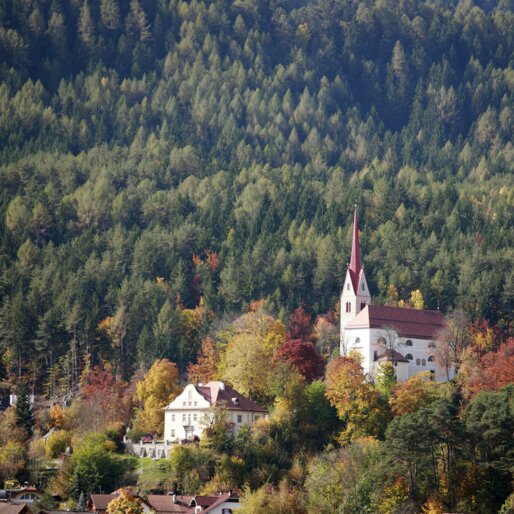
<point x="173" y="433"/>
<point x="183" y="404"/>
<point x="423" y="362"/>
<point x="256" y="417"/>
<point x="173" y="417"/>
<point x="183" y="417"/>
<point x="408" y="342"/>
<point x="358" y="340"/>
<point x="239" y="418"/>
<point x="409" y="356"/>
<point x="195" y="417"/>
<point x="363" y="305"/>
<point x="431" y="358"/>
<point x="195" y="404"/>
<point x="190" y="403"/>
<point x="418" y="362"/>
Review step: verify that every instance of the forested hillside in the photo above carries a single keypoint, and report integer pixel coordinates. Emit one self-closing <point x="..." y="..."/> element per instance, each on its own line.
<point x="164" y="163"/>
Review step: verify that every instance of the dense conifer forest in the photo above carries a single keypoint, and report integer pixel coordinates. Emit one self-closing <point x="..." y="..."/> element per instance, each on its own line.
<point x="177" y="185"/>
<point x="157" y="153"/>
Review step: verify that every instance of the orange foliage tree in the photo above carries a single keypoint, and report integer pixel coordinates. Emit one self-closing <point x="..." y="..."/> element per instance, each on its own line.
<point x="207" y="366"/>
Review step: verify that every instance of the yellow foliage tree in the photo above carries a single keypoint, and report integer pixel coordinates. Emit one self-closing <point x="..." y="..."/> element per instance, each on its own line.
<point x="56" y="416"/>
<point x="247" y="360"/>
<point x="155" y="391"/>
<point x="355" y="399"/>
<point x="411" y="395"/>
<point x="125" y="503"/>
<point x="416" y="300"/>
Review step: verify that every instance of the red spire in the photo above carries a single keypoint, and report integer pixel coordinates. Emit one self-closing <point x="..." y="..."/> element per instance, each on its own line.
<point x="355" y="261"/>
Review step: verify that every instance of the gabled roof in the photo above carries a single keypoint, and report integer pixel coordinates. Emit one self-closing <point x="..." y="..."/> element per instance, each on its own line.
<point x="100" y="501"/>
<point x="419" y="324"/>
<point x="12" y="508"/>
<point x="391" y="356"/>
<point x="219" y="393"/>
<point x="164" y="504"/>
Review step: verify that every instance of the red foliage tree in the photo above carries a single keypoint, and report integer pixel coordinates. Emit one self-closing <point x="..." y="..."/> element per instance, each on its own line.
<point x="496" y="369"/>
<point x="102" y="389"/>
<point x="303" y="355"/>
<point x="300" y="325"/>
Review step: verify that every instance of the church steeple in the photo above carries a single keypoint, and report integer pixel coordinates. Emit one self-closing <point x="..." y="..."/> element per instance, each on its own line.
<point x="355" y="261"/>
<point x="355" y="295"/>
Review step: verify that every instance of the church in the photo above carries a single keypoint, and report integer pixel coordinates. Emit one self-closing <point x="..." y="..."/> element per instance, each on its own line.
<point x="386" y="334"/>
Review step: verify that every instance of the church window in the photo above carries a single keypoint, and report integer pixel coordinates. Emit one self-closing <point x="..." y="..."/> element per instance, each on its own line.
<point x="363" y="287"/>
<point x="348" y="307"/>
<point x="423" y="362"/>
<point x="409" y="356"/>
<point x="418" y="362"/>
<point x="431" y="358"/>
<point x="408" y="342"/>
<point x="348" y="286"/>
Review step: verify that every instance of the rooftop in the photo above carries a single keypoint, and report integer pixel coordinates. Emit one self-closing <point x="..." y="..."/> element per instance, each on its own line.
<point x="419" y="324"/>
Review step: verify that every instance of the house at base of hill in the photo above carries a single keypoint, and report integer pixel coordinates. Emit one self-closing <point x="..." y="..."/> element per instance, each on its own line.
<point x="402" y="336"/>
<point x="187" y="416"/>
<point x="224" y="502"/>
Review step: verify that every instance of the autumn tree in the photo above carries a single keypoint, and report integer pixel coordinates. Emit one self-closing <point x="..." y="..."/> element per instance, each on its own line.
<point x="207" y="363"/>
<point x="416" y="392"/>
<point x="155" y="391"/>
<point x="303" y="355"/>
<point x="125" y="503"/>
<point x="451" y="341"/>
<point x="355" y="399"/>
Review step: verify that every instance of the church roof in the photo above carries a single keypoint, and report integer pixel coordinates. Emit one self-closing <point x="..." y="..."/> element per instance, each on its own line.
<point x="355" y="260"/>
<point x="419" y="324"/>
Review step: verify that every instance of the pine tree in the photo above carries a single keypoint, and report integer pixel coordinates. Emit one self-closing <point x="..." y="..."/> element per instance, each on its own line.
<point x="24" y="414"/>
<point x="82" y="502"/>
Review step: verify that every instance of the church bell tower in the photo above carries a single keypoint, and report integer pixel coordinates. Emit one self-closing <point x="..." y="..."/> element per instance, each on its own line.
<point x="355" y="295"/>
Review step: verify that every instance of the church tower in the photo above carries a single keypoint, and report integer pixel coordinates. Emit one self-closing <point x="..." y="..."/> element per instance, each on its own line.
<point x="355" y="295"/>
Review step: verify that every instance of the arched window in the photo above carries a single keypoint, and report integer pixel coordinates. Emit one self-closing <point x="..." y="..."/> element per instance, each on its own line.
<point x="408" y="342"/>
<point x="423" y="362"/>
<point x="418" y="362"/>
<point x="358" y="340"/>
<point x="409" y="357"/>
<point x="431" y="359"/>
<point x="348" y="307"/>
<point x="363" y="287"/>
<point x="348" y="286"/>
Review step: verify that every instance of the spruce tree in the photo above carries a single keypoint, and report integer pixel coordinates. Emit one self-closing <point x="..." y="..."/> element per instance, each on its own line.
<point x="24" y="414"/>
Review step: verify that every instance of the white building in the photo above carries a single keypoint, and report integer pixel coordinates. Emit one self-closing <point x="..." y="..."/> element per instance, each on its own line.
<point x="186" y="417"/>
<point x="379" y="333"/>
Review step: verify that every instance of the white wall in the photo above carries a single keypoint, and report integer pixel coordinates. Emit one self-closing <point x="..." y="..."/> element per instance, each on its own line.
<point x="191" y="408"/>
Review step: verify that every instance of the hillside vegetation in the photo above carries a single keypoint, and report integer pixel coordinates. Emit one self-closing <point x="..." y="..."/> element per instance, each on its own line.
<point x="165" y="163"/>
